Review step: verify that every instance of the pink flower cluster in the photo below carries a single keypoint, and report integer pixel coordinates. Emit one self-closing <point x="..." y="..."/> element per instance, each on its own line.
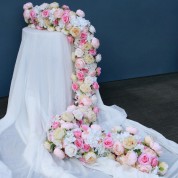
<point x="73" y="133"/>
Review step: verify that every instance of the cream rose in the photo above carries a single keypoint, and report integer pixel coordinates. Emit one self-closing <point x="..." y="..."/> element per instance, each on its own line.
<point x="129" y="142"/>
<point x="74" y="77"/>
<point x="90" y="157"/>
<point x="163" y="167"/>
<point x="86" y="46"/>
<point x="89" y="59"/>
<point x="85" y="88"/>
<point x="75" y="32"/>
<point x="148" y="139"/>
<point x="78" y="114"/>
<point x="54" y="5"/>
<point x="79" y="52"/>
<point x="59" y="133"/>
<point x="47" y="145"/>
<point x="118" y="148"/>
<point x="51" y="29"/>
<point x="67" y="116"/>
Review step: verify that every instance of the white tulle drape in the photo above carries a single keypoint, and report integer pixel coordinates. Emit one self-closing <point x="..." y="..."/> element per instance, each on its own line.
<point x="41" y="88"/>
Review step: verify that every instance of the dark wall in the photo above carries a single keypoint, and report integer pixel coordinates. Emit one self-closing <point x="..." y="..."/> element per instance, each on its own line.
<point x="138" y="37"/>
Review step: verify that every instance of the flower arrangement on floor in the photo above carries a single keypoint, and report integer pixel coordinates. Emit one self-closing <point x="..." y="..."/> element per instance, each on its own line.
<point x="75" y="132"/>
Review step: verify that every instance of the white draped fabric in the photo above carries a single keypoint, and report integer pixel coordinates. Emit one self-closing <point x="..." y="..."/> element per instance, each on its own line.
<point x="41" y="88"/>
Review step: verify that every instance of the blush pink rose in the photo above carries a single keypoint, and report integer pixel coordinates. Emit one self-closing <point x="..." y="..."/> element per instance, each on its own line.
<point x="132" y="130"/>
<point x="70" y="39"/>
<point x="32" y="14"/>
<point x="96" y="110"/>
<point x="144" y="159"/>
<point x="86" y="147"/>
<point x="45" y="13"/>
<point x="65" y="7"/>
<point x="108" y="142"/>
<point x="79" y="63"/>
<point x="118" y="148"/>
<point x="92" y="52"/>
<point x="144" y="168"/>
<point x="75" y="86"/>
<point x="84" y="127"/>
<point x="80" y="13"/>
<point x="80" y="75"/>
<point x="98" y="71"/>
<point x="131" y="158"/>
<point x="65" y="18"/>
<point x="77" y="133"/>
<point x="67" y="125"/>
<point x="59" y="153"/>
<point x="58" y="13"/>
<point x="79" y="143"/>
<point x="95" y="43"/>
<point x="27" y="6"/>
<point x="55" y="125"/>
<point x="156" y="147"/>
<point x="26" y="14"/>
<point x="86" y="101"/>
<point x="154" y="162"/>
<point x="95" y="86"/>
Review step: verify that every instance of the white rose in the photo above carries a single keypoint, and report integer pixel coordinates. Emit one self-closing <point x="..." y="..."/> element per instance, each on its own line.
<point x="78" y="114"/>
<point x="90" y="157"/>
<point x="31" y="26"/>
<point x="71" y="150"/>
<point x="67" y="116"/>
<point x="98" y="58"/>
<point x="58" y="29"/>
<point x="92" y="29"/>
<point x="117" y="129"/>
<point x="65" y="32"/>
<point x="148" y="140"/>
<point x="71" y="108"/>
<point x="79" y="52"/>
<point x="80" y="13"/>
<point x="54" y="5"/>
<point x="44" y="6"/>
<point x="51" y="29"/>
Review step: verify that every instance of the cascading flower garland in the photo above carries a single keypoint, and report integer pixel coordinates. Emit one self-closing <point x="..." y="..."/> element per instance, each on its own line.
<point x="75" y="133"/>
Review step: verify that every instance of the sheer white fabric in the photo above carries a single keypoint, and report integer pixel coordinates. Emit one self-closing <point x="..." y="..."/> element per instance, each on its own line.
<point x="41" y="88"/>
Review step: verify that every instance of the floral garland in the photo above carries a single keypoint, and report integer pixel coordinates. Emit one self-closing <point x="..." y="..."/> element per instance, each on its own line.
<point x="75" y="133"/>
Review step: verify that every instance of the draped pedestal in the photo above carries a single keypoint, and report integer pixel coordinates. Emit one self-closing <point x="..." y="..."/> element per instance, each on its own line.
<point x="41" y="88"/>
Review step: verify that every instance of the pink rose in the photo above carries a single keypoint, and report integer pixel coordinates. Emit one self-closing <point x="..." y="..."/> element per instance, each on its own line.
<point x="96" y="110"/>
<point x="27" y="6"/>
<point x="95" y="43"/>
<point x="79" y="63"/>
<point x="118" y="148"/>
<point x="26" y="14"/>
<point x="77" y="134"/>
<point x="45" y="13"/>
<point x="70" y="39"/>
<point x="98" y="71"/>
<point x="67" y="125"/>
<point x="144" y="168"/>
<point x="86" y="101"/>
<point x="96" y="127"/>
<point x="79" y="143"/>
<point x="92" y="52"/>
<point x="156" y="147"/>
<point x="65" y="7"/>
<point x="55" y="125"/>
<point x="59" y="153"/>
<point x="80" y="75"/>
<point x="83" y="35"/>
<point x="149" y="152"/>
<point x="80" y="13"/>
<point x="39" y="28"/>
<point x="82" y="42"/>
<point x="86" y="148"/>
<point x="144" y="159"/>
<point x="32" y="14"/>
<point x="131" y="130"/>
<point x="58" y="13"/>
<point x="65" y="18"/>
<point x="84" y="127"/>
<point x="95" y="86"/>
<point x="108" y="142"/>
<point x="75" y="86"/>
<point x="131" y="158"/>
<point x="55" y="22"/>
<point x="154" y="162"/>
